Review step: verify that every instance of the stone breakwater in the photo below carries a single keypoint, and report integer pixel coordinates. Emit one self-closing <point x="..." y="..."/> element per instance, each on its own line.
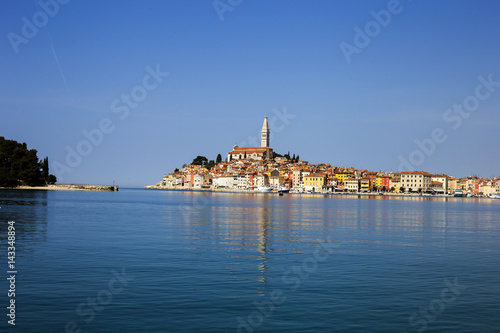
<point x="69" y="187"/>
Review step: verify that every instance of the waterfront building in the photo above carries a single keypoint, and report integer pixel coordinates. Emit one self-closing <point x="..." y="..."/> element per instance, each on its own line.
<point x="453" y="184"/>
<point x="383" y="181"/>
<point x="314" y="182"/>
<point x="443" y="179"/>
<point x="416" y="180"/>
<point x="352" y="184"/>
<point x="487" y="186"/>
<point x="262" y="180"/>
<point x="364" y="185"/>
<point x="373" y="178"/>
<point x="198" y="180"/>
<point x="472" y="185"/>
<point x="297" y="180"/>
<point x="395" y="182"/>
<point x="342" y="174"/>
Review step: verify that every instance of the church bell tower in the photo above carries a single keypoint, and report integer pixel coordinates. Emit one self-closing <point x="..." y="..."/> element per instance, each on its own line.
<point x="264" y="141"/>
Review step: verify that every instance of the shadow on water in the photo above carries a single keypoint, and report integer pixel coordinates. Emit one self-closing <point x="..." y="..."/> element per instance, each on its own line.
<point x="29" y="211"/>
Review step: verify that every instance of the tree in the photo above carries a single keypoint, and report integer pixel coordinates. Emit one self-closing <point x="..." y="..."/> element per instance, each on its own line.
<point x="218" y="159"/>
<point x="402" y="189"/>
<point x="419" y="190"/>
<point x="393" y="189"/>
<point x="298" y="158"/>
<point x="45" y="168"/>
<point x="384" y="189"/>
<point x="19" y="165"/>
<point x="51" y="179"/>
<point x="199" y="160"/>
<point x="176" y="170"/>
<point x="209" y="165"/>
<point x="245" y="155"/>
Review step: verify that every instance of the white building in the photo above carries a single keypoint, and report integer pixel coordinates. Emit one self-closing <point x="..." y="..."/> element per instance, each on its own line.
<point x="198" y="180"/>
<point x="415" y="180"/>
<point x="351" y="184"/>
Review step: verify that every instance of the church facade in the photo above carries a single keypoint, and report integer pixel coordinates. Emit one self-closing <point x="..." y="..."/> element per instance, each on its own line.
<point x="264" y="152"/>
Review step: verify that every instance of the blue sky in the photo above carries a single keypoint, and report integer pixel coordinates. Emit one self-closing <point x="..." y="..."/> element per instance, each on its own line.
<point x="371" y="109"/>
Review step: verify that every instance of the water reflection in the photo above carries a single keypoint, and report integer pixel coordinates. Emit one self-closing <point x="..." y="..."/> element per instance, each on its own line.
<point x="29" y="210"/>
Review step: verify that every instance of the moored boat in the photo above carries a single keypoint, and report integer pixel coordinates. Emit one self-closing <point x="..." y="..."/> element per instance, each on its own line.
<point x="494" y="196"/>
<point x="283" y="190"/>
<point x="264" y="189"/>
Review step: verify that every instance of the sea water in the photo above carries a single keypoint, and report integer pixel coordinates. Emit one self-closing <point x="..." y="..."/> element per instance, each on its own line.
<point x="170" y="261"/>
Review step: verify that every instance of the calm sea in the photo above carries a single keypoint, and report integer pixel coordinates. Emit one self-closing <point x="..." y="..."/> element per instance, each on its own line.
<point x="161" y="261"/>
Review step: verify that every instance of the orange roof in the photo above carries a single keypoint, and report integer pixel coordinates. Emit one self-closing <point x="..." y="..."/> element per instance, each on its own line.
<point x="316" y="175"/>
<point x="415" y="173"/>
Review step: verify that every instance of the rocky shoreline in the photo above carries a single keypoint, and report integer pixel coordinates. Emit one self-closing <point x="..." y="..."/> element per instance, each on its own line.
<point x="65" y="187"/>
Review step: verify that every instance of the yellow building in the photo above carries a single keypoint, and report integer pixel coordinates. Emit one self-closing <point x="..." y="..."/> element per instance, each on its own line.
<point x="314" y="182"/>
<point x="342" y="176"/>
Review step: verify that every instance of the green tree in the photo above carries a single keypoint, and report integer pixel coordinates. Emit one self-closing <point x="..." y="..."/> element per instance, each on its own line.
<point x="384" y="189"/>
<point x="298" y="158"/>
<point x="402" y="189"/>
<point x="19" y="165"/>
<point x="199" y="160"/>
<point x="393" y="189"/>
<point x="45" y="168"/>
<point x="209" y="165"/>
<point x="218" y="159"/>
<point x="51" y="179"/>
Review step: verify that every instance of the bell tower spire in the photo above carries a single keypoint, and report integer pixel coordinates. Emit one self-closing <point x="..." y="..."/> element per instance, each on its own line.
<point x="264" y="140"/>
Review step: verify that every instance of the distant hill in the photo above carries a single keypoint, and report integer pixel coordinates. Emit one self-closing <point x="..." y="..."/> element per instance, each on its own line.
<point x="20" y="165"/>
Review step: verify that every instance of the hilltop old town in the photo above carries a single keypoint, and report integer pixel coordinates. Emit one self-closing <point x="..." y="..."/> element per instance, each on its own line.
<point x="261" y="169"/>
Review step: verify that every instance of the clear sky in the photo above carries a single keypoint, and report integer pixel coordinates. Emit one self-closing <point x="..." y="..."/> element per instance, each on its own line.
<point x="369" y="84"/>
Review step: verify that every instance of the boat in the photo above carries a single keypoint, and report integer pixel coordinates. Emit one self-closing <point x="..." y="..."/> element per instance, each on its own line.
<point x="459" y="193"/>
<point x="264" y="189"/>
<point x="283" y="190"/>
<point x="494" y="196"/>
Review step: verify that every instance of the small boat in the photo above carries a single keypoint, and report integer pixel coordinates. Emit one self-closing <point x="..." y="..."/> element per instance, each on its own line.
<point x="264" y="189"/>
<point x="283" y="190"/>
<point x="459" y="193"/>
<point x="494" y="196"/>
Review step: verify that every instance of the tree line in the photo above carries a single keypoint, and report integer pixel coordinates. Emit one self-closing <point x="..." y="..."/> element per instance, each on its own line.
<point x="21" y="166"/>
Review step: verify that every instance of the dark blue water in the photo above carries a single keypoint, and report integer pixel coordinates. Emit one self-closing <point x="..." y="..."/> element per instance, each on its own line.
<point x="159" y="261"/>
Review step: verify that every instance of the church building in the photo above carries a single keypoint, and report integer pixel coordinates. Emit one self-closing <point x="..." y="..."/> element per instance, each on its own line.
<point x="264" y="152"/>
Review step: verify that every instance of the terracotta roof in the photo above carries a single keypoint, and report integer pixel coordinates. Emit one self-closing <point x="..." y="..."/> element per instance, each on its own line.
<point x="316" y="175"/>
<point x="415" y="173"/>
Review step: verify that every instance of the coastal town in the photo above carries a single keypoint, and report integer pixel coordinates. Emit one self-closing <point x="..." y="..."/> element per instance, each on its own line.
<point x="261" y="169"/>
